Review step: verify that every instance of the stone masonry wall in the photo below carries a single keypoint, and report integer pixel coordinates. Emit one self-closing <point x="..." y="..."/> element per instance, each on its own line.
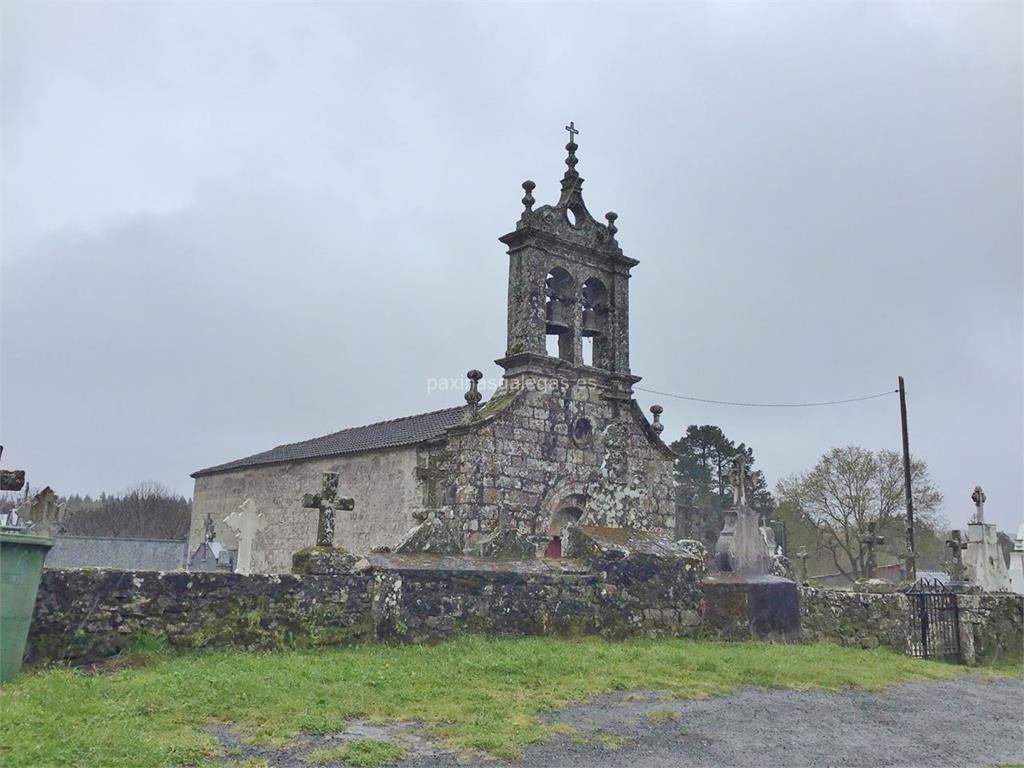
<point x="83" y="615"/>
<point x="87" y="615"/>
<point x="995" y="625"/>
<point x="544" y="445"/>
<point x="991" y="624"/>
<point x="855" y="618"/>
<point x="383" y="483"/>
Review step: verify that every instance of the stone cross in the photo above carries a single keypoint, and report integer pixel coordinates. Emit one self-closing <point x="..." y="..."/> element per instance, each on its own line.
<point x="571" y="128"/>
<point x="802" y="556"/>
<point x="327" y="501"/>
<point x="739" y="475"/>
<point x="246" y="522"/>
<point x="208" y="532"/>
<point x="870" y="540"/>
<point x="978" y="497"/>
<point x="957" y="546"/>
<point x="430" y="474"/>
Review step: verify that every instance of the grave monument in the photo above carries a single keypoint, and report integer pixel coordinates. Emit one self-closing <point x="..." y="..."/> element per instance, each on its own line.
<point x="743" y="597"/>
<point x="983" y="559"/>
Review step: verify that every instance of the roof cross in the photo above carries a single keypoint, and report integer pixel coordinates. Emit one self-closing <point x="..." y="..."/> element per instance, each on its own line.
<point x="571" y="128"/>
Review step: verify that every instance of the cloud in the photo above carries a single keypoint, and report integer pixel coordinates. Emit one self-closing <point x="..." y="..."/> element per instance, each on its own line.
<point x="227" y="227"/>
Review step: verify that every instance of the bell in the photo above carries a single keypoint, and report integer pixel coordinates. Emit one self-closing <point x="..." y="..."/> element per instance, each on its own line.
<point x="590" y="326"/>
<point x="556" y="320"/>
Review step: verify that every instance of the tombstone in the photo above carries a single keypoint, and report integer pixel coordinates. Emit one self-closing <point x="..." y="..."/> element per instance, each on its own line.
<point x="246" y="522"/>
<point x="778" y="563"/>
<point x="741" y="547"/>
<point x="743" y="597"/>
<point x="327" y="501"/>
<point x="956" y="545"/>
<point x="869" y="541"/>
<point x="802" y="556"/>
<point x="324" y="558"/>
<point x="983" y="558"/>
<point x="1016" y="570"/>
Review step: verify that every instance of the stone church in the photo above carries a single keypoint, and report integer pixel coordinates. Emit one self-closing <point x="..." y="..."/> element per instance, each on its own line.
<point x="561" y="440"/>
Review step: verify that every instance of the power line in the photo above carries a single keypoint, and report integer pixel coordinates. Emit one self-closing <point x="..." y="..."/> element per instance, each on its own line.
<point x="770" y="405"/>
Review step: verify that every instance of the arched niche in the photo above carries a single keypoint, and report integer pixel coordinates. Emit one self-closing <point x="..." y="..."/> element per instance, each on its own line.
<point x="560" y="297"/>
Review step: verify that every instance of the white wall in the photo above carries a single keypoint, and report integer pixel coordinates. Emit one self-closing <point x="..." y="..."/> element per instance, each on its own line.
<point x="383" y="484"/>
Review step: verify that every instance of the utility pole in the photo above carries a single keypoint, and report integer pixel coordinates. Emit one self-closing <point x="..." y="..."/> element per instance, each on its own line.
<point x="911" y="557"/>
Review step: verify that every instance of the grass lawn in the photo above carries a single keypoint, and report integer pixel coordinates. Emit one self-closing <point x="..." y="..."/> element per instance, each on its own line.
<point x="475" y="694"/>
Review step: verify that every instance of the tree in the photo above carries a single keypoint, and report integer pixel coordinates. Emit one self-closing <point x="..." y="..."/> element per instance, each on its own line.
<point x="146" y="511"/>
<point x="704" y="456"/>
<point x="851" y="487"/>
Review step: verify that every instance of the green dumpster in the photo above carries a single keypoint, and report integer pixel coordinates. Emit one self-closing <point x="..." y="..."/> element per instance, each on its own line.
<point x="21" y="566"/>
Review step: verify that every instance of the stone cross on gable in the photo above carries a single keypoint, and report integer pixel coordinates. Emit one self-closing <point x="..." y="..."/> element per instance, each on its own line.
<point x="870" y="540"/>
<point x="739" y="476"/>
<point x="957" y="545"/>
<point x="327" y="501"/>
<point x="430" y="474"/>
<point x="978" y="497"/>
<point x="571" y="128"/>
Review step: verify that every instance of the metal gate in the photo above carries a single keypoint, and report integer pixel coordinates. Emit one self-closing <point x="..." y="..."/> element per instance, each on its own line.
<point x="934" y="621"/>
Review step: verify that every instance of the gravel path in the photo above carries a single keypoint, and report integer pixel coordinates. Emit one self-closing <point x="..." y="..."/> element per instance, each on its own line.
<point x="964" y="723"/>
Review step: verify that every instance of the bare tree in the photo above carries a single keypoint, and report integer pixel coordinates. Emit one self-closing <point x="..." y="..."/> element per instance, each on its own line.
<point x="146" y="511"/>
<point x="851" y="487"/>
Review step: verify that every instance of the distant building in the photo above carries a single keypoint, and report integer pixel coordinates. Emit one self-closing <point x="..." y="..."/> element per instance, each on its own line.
<point x="123" y="554"/>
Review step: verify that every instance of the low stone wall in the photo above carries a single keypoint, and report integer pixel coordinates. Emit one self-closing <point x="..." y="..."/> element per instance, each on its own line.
<point x="855" y="618"/>
<point x="618" y="589"/>
<point x="628" y="587"/>
<point x="418" y="599"/>
<point x="991" y="624"/>
<point x="84" y="615"/>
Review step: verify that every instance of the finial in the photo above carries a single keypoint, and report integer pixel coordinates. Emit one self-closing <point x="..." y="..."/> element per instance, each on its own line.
<point x="657" y="426"/>
<point x="571" y="147"/>
<point x="612" y="216"/>
<point x="528" y="200"/>
<point x="572" y="184"/>
<point x="473" y="397"/>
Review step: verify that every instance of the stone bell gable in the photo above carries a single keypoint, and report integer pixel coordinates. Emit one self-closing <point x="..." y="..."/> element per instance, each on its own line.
<point x="568" y="279"/>
<point x="562" y="440"/>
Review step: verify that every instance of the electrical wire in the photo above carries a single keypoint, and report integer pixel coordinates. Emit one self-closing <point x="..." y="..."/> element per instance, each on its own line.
<point x="770" y="405"/>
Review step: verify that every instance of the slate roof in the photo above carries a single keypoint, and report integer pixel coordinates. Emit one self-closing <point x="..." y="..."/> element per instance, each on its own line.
<point x="409" y="430"/>
<point x="122" y="554"/>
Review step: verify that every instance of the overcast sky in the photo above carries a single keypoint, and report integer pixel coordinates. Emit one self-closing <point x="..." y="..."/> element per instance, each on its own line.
<point x="232" y="225"/>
